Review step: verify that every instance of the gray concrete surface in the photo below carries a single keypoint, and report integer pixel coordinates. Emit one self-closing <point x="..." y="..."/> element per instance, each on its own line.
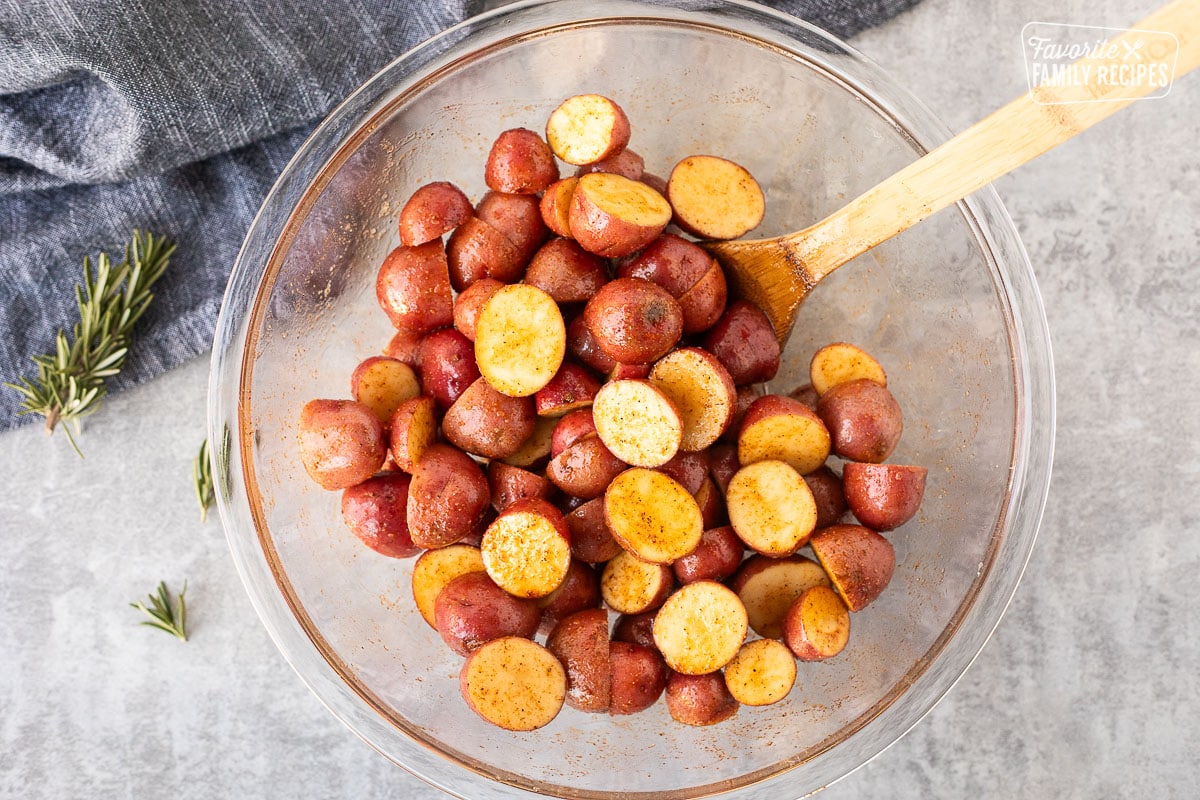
<point x="1089" y="688"/>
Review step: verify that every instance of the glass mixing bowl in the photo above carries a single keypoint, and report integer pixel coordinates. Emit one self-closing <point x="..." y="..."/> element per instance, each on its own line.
<point x="950" y="308"/>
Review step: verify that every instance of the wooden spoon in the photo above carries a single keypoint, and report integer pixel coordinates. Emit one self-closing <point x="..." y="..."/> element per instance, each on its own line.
<point x="778" y="273"/>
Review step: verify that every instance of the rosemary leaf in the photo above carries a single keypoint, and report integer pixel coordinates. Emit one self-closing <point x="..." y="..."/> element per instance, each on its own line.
<point x="162" y="616"/>
<point x="202" y="481"/>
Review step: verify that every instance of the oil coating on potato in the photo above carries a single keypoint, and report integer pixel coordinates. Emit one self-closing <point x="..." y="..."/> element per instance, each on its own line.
<point x="883" y="496"/>
<point x="613" y="216"/>
<point x="375" y="512"/>
<point x="527" y="549"/>
<point x="487" y="423"/>
<point x="863" y="418"/>
<point x="633" y="320"/>
<point x="436" y="568"/>
<point x="700" y="627"/>
<point x="858" y="560"/>
<point x="514" y="683"/>
<point x="714" y="198"/>
<point x="341" y="442"/>
<point x="817" y="624"/>
<point x="580" y="642"/>
<point x="433" y="210"/>
<point x="413" y="288"/>
<point x="652" y="516"/>
<point x="842" y="362"/>
<point x="448" y="497"/>
<point x="762" y="673"/>
<point x="472" y="610"/>
<point x="769" y="586"/>
<point x="699" y="699"/>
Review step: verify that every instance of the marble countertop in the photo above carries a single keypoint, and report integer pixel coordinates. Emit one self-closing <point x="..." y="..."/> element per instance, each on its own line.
<point x="1089" y="687"/>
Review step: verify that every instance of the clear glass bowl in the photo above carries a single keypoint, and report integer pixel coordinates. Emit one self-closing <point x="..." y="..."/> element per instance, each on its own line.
<point x="950" y="308"/>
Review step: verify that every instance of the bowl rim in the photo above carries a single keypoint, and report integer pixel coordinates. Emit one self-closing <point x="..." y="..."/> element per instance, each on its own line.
<point x="978" y="211"/>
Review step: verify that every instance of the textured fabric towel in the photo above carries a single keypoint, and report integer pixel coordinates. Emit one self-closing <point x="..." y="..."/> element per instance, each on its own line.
<point x="175" y="116"/>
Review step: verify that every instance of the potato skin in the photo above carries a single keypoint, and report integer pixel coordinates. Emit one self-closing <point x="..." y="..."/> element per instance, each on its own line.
<point x="341" y="442"/>
<point x="468" y="303"/>
<point x="518" y="217"/>
<point x="580" y="642"/>
<point x="487" y="423"/>
<point x="448" y="498"/>
<point x="585" y="468"/>
<point x="639" y="676"/>
<point x="858" y="560"/>
<point x="883" y="496"/>
<point x="566" y="272"/>
<point x="476" y="251"/>
<point x="433" y="210"/>
<point x="510" y="484"/>
<point x="626" y="163"/>
<point x="591" y="540"/>
<point x="688" y="469"/>
<point x="555" y="206"/>
<point x="520" y="162"/>
<point x="583" y="346"/>
<point x="670" y="261"/>
<point x="570" y="428"/>
<point x="716" y="557"/>
<point x="413" y="288"/>
<point x="699" y="699"/>
<point x="447" y="366"/>
<point x="636" y="629"/>
<point x="376" y="511"/>
<point x="571" y="388"/>
<point x="826" y="488"/>
<point x="472" y="610"/>
<point x="601" y="228"/>
<point x="745" y="343"/>
<point x="723" y="464"/>
<point x="817" y="625"/>
<point x="579" y="590"/>
<point x="633" y="320"/>
<point x="863" y="418"/>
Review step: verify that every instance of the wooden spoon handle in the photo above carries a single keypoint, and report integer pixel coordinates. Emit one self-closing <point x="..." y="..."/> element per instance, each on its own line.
<point x="1017" y="133"/>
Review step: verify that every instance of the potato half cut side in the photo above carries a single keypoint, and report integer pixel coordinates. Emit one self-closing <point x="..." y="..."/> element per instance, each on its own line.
<point x="637" y="422"/>
<point x="842" y="362"/>
<point x="714" y="198"/>
<point x="783" y="429"/>
<point x="526" y="550"/>
<point x="514" y="683"/>
<point x="769" y="586"/>
<point x="702" y="391"/>
<point x="632" y="586"/>
<point x="436" y="568"/>
<point x="520" y="340"/>
<point x="700" y="628"/>
<point x="652" y="516"/>
<point x="587" y="128"/>
<point x="771" y="508"/>
<point x="613" y="216"/>
<point x="761" y="673"/>
<point x="817" y="625"/>
<point x="858" y="560"/>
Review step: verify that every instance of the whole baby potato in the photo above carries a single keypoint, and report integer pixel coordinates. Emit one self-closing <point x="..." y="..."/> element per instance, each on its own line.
<point x="376" y="511"/>
<point x="341" y="442"/>
<point x="487" y="423"/>
<point x="448" y="498"/>
<point x="863" y="418"/>
<point x="520" y="162"/>
<point x="413" y="288"/>
<point x="633" y="320"/>
<point x="472" y="610"/>
<point x="639" y="676"/>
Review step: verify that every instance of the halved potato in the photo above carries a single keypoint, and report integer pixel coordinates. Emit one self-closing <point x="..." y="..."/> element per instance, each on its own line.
<point x="342" y="442"/>
<point x="637" y="422"/>
<point x="762" y="673"/>
<point x="527" y="549"/>
<point x="433" y="210"/>
<point x="883" y="496"/>
<point x="771" y="508"/>
<point x="381" y="384"/>
<point x="472" y="610"/>
<point x="638" y="677"/>
<point x="571" y="389"/>
<point x="714" y="198"/>
<point x="436" y="568"/>
<point x="842" y="362"/>
<point x="411" y="430"/>
<point x="520" y="340"/>
<point x="613" y="216"/>
<point x="555" y="206"/>
<point x="702" y="392"/>
<point x="769" y="586"/>
<point x="587" y="128"/>
<point x="514" y="683"/>
<point x="858" y="560"/>
<point x="817" y="625"/>
<point x="783" y="429"/>
<point x="585" y="468"/>
<point x="699" y="699"/>
<point x="652" y="516"/>
<point x="580" y="642"/>
<point x="487" y="423"/>
<point x="591" y="540"/>
<point x="700" y="628"/>
<point x="632" y="586"/>
<point x="520" y="162"/>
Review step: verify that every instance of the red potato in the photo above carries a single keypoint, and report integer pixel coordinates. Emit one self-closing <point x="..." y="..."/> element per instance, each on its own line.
<point x="375" y="512"/>
<point x="771" y="508"/>
<point x="448" y="497"/>
<point x="413" y="288"/>
<point x="527" y="549"/>
<point x="591" y="540"/>
<point x="476" y="251"/>
<point x="805" y="394"/>
<point x="762" y="673"/>
<point x="699" y="700"/>
<point x="487" y="423"/>
<point x="783" y="429"/>
<point x="716" y="557"/>
<point x="769" y="586"/>
<point x="863" y="418"/>
<point x="570" y="428"/>
<point x="613" y="216"/>
<point x="571" y="388"/>
<point x="746" y="395"/>
<point x="637" y="422"/>
<point x="433" y="210"/>
<point x="723" y="464"/>
<point x="472" y="610"/>
<point x="579" y="590"/>
<point x="704" y="303"/>
<point x="520" y="340"/>
<point x="842" y="362"/>
<point x="509" y="484"/>
<point x="518" y="217"/>
<point x="411" y="430"/>
<point x="711" y="504"/>
<point x="652" y="516"/>
<point x="817" y="625"/>
<point x="580" y="642"/>
<point x="626" y="163"/>
<point x="672" y="262"/>
<point x="382" y="384"/>
<point x="636" y="629"/>
<point x="555" y="206"/>
<point x="514" y="683"/>
<point x="700" y="628"/>
<point x="858" y="561"/>
<point x="638" y="677"/>
<point x="436" y="568"/>
<point x="826" y="487"/>
<point x="687" y="469"/>
<point x="535" y="450"/>
<point x="470" y="301"/>
<point x="585" y="468"/>
<point x="702" y="392"/>
<point x="584" y="347"/>
<point x="566" y="272"/>
<point x="883" y="496"/>
<point x="632" y="586"/>
<point x="587" y="128"/>
<point x="655" y="182"/>
<point x="405" y="346"/>
<point x="634" y="321"/>
<point x="629" y="372"/>
<point x="714" y="198"/>
<point x="745" y="342"/>
<point x="341" y="442"/>
<point x="520" y="162"/>
<point x="447" y="366"/>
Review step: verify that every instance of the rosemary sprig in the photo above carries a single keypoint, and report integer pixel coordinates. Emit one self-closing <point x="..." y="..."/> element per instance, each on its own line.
<point x="202" y="481"/>
<point x="70" y="381"/>
<point x="162" y="616"/>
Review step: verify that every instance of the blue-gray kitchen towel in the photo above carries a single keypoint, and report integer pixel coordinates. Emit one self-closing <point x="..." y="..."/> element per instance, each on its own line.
<point x="175" y="116"/>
